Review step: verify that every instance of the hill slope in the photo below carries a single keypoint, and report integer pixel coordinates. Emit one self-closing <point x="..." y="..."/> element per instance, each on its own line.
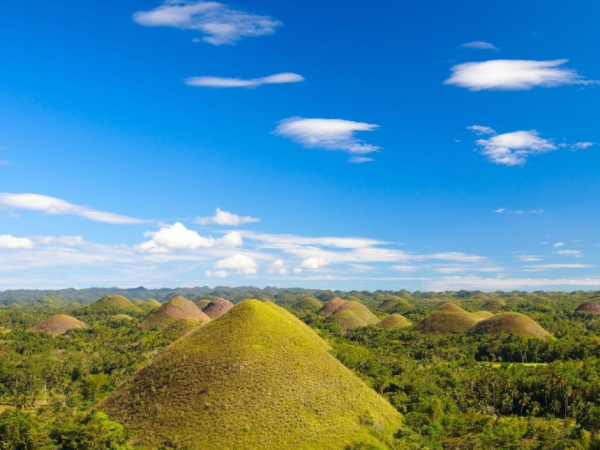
<point x="217" y="308"/>
<point x="256" y="378"/>
<point x="448" y="318"/>
<point x="169" y="313"/>
<point x="394" y="321"/>
<point x="113" y="304"/>
<point x="58" y="325"/>
<point x="511" y="323"/>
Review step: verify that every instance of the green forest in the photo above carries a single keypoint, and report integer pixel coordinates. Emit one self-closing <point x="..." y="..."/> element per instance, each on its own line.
<point x="464" y="370"/>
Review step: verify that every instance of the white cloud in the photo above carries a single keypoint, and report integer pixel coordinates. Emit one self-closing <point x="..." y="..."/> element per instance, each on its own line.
<point x="219" y="82"/>
<point x="178" y="237"/>
<point x="232" y="239"/>
<point x="239" y="263"/>
<point x="9" y="241"/>
<point x="500" y="210"/>
<point x="529" y="258"/>
<point x="278" y="267"/>
<point x="56" y="206"/>
<point x="513" y="75"/>
<point x="360" y="160"/>
<point x="582" y="145"/>
<point x="225" y="218"/>
<point x="513" y="149"/>
<point x="328" y="134"/>
<point x="479" y="45"/>
<point x="500" y="283"/>
<point x="285" y="240"/>
<point x="216" y="273"/>
<point x="313" y="263"/>
<point x="542" y="267"/>
<point x="219" y="23"/>
<point x="481" y="130"/>
<point x="67" y="241"/>
<point x="573" y="253"/>
<point x="519" y="211"/>
<point x="559" y="244"/>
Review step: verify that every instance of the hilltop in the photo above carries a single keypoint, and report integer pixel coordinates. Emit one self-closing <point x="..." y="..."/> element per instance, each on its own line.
<point x="58" y="325"/>
<point x="511" y="323"/>
<point x="394" y="321"/>
<point x="307" y="304"/>
<point x="589" y="308"/>
<point x="256" y="378"/>
<point x="447" y="318"/>
<point x="169" y="313"/>
<point x="113" y="304"/>
<point x="217" y="308"/>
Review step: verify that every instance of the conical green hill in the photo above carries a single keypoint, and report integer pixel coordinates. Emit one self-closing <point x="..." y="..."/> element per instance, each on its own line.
<point x="393" y="303"/>
<point x="169" y="313"/>
<point x="58" y="325"/>
<point x="493" y="304"/>
<point x="153" y="303"/>
<point x="255" y="379"/>
<point x="347" y="319"/>
<point x="113" y="304"/>
<point x="448" y="318"/>
<point x="308" y="304"/>
<point x="121" y="318"/>
<point x="394" y="321"/>
<point x="217" y="308"/>
<point x="182" y="327"/>
<point x="511" y="323"/>
<point x="331" y="306"/>
<point x="361" y="311"/>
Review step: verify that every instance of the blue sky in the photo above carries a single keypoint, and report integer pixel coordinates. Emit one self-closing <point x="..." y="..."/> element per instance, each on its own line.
<point x="426" y="145"/>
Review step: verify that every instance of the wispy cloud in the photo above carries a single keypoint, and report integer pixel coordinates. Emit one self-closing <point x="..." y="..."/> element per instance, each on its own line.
<point x="12" y="242"/>
<point x="519" y="212"/>
<point x="573" y="253"/>
<point x="501" y="283"/>
<point x="219" y="82"/>
<point x="56" y="206"/>
<point x="221" y="217"/>
<point x="582" y="145"/>
<point x="529" y="258"/>
<point x="506" y="74"/>
<point x="219" y="23"/>
<point x="328" y="134"/>
<point x="544" y="267"/>
<point x="360" y="160"/>
<point x="479" y="45"/>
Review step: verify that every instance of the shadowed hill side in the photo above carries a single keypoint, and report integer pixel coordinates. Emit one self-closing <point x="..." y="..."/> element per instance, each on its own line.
<point x="203" y="303"/>
<point x="169" y="313"/>
<point x="360" y="310"/>
<point x="217" y="308"/>
<point x="511" y="323"/>
<point x="257" y="378"/>
<point x="57" y="325"/>
<point x="331" y="306"/>
<point x="394" y="321"/>
<point x="483" y="314"/>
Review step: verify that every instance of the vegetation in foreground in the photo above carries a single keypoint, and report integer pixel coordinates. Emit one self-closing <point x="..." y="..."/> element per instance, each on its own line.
<point x="455" y="391"/>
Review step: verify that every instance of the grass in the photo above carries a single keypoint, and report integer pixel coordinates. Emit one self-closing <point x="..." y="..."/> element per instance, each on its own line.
<point x="169" y="313"/>
<point x="347" y="319"/>
<point x="361" y="311"/>
<point x="256" y="378"/>
<point x="112" y="304"/>
<point x="493" y="304"/>
<point x="394" y="321"/>
<point x="448" y="318"/>
<point x="58" y="325"/>
<point x="483" y="314"/>
<point x="308" y="304"/>
<point x="181" y="327"/>
<point x="217" y="308"/>
<point x="511" y="323"/>
<point x="121" y="318"/>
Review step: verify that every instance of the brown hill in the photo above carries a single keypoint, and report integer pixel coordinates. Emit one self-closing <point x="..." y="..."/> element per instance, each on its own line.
<point x="511" y="323"/>
<point x="58" y="325"/>
<point x="256" y="379"/>
<point x="203" y="303"/>
<point x="360" y="310"/>
<point x="217" y="308"/>
<point x="169" y="313"/>
<point x="589" y="308"/>
<point x="331" y="306"/>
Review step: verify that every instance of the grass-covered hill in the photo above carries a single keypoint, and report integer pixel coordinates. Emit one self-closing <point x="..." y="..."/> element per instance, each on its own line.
<point x="307" y="304"/>
<point x="394" y="321"/>
<point x="447" y="318"/>
<point x="483" y="314"/>
<point x="349" y="315"/>
<point x="511" y="323"/>
<point x="169" y="313"/>
<point x="217" y="308"/>
<point x="181" y="327"/>
<point x="57" y="325"/>
<point x="589" y="308"/>
<point x="493" y="304"/>
<point x="331" y="306"/>
<point x="202" y="303"/>
<point x="113" y="304"/>
<point x="255" y="378"/>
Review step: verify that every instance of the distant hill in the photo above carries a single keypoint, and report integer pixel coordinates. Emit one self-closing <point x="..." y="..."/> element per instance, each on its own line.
<point x="257" y="378"/>
<point x="113" y="304"/>
<point x="447" y="318"/>
<point x="394" y="321"/>
<point x="169" y="313"/>
<point x="217" y="308"/>
<point x="511" y="323"/>
<point x="58" y="325"/>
